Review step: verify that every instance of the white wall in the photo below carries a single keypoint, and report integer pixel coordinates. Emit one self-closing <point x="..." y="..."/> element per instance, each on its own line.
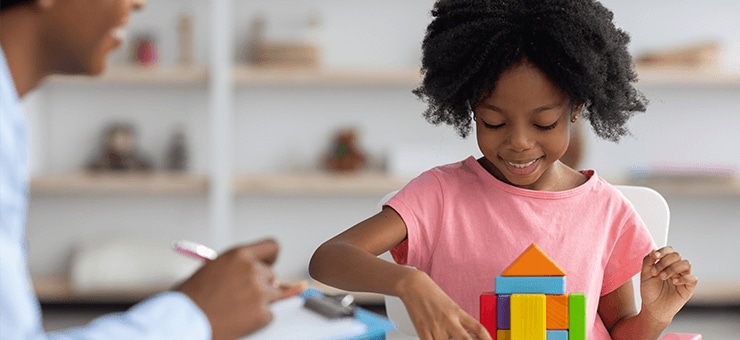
<point x="281" y="129"/>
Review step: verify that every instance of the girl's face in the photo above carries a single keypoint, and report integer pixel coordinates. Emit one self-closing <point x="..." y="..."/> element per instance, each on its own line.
<point x="523" y="128"/>
<point x="81" y="33"/>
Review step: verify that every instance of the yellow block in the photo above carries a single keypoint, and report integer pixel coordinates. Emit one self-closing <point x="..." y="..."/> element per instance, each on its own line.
<point x="503" y="334"/>
<point x="528" y="317"/>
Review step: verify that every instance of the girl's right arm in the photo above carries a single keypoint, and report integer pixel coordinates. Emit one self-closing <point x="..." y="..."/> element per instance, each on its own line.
<point x="349" y="261"/>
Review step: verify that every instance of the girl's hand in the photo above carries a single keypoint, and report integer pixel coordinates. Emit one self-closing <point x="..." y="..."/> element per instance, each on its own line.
<point x="666" y="283"/>
<point x="434" y="314"/>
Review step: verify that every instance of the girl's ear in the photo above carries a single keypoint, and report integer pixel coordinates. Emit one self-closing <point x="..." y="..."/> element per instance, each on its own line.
<point x="576" y="111"/>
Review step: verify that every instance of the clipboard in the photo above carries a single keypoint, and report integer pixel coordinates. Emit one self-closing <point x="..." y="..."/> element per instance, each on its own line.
<point x="291" y="320"/>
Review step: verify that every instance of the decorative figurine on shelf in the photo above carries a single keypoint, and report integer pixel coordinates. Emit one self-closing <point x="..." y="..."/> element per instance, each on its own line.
<point x="119" y="151"/>
<point x="177" y="152"/>
<point x="344" y="154"/>
<point x="146" y="51"/>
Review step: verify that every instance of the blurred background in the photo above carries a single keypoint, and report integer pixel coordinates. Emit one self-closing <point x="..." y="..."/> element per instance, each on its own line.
<point x="227" y="121"/>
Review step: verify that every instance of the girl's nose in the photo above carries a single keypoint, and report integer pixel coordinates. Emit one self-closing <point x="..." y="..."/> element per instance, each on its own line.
<point x="519" y="140"/>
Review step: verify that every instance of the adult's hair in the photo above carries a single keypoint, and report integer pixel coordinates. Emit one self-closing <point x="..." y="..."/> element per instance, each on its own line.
<point x="469" y="43"/>
<point x="8" y="3"/>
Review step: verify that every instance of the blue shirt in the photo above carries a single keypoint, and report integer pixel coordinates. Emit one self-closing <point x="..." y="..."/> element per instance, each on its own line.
<point x="170" y="315"/>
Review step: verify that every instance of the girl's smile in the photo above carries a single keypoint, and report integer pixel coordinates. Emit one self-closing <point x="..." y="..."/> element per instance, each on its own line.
<point x="522" y="168"/>
<point x="523" y="128"/>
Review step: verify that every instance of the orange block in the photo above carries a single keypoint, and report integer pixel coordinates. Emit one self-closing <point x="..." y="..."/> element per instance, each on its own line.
<point x="534" y="262"/>
<point x="557" y="311"/>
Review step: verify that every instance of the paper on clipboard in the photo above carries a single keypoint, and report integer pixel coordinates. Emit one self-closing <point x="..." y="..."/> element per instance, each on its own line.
<point x="292" y="321"/>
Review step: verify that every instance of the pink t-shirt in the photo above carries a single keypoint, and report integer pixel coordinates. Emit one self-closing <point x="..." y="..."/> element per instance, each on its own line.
<point x="465" y="227"/>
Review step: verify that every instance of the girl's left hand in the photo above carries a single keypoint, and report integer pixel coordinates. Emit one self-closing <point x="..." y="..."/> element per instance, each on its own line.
<point x="666" y="283"/>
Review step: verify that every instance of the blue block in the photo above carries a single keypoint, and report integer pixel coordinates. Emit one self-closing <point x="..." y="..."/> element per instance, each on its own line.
<point x="503" y="311"/>
<point x="557" y="335"/>
<point x="530" y="284"/>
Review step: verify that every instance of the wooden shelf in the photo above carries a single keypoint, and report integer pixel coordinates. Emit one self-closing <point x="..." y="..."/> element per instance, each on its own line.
<point x="58" y="290"/>
<point x="686" y="77"/>
<point x="411" y="77"/>
<point x="310" y="184"/>
<point x="693" y="189"/>
<point x="685" y="185"/>
<point x="318" y="184"/>
<point x="135" y="75"/>
<point x="315" y="184"/>
<point x="244" y="76"/>
<point x="98" y="183"/>
<point x="250" y="76"/>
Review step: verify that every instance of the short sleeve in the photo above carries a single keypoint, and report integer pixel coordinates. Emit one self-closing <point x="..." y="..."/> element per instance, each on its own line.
<point x="631" y="246"/>
<point x="419" y="204"/>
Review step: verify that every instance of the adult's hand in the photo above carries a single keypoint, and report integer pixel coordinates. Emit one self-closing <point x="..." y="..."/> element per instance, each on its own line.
<point x="235" y="290"/>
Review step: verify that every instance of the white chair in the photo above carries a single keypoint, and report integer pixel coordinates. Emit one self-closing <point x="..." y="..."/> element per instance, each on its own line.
<point x="649" y="204"/>
<point x="654" y="211"/>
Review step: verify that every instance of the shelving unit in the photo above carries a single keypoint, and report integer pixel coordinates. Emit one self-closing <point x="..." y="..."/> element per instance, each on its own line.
<point x="314" y="183"/>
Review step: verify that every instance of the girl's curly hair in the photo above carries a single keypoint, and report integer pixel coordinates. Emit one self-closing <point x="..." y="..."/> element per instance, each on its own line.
<point x="469" y="43"/>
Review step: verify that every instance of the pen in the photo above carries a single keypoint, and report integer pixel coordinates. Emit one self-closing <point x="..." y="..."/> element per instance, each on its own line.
<point x="202" y="252"/>
<point x="194" y="249"/>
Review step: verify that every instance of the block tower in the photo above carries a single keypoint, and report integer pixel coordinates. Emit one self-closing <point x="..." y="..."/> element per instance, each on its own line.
<point x="530" y="303"/>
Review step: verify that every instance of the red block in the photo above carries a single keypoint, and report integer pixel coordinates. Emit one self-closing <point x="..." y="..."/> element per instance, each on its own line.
<point x="488" y="312"/>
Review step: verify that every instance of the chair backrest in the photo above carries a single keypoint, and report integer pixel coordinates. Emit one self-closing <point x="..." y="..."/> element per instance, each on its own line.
<point x="653" y="209"/>
<point x="649" y="204"/>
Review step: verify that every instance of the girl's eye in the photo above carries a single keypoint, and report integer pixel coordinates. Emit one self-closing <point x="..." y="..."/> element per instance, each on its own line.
<point x="547" y="127"/>
<point x="490" y="126"/>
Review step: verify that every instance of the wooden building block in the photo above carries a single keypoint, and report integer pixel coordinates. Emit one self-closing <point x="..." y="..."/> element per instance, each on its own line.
<point x="534" y="262"/>
<point x="530" y="285"/>
<point x="557" y="311"/>
<point x="503" y="314"/>
<point x="528" y="317"/>
<point x="503" y="334"/>
<point x="577" y="316"/>
<point x="557" y="335"/>
<point x="488" y="311"/>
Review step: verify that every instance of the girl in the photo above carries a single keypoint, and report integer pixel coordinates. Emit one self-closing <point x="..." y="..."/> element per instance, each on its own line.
<point x="521" y="72"/>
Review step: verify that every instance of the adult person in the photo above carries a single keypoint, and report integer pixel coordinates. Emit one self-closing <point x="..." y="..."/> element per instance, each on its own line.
<point x="225" y="299"/>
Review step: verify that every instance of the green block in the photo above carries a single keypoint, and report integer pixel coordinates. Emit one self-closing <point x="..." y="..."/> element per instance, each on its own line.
<point x="577" y="316"/>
